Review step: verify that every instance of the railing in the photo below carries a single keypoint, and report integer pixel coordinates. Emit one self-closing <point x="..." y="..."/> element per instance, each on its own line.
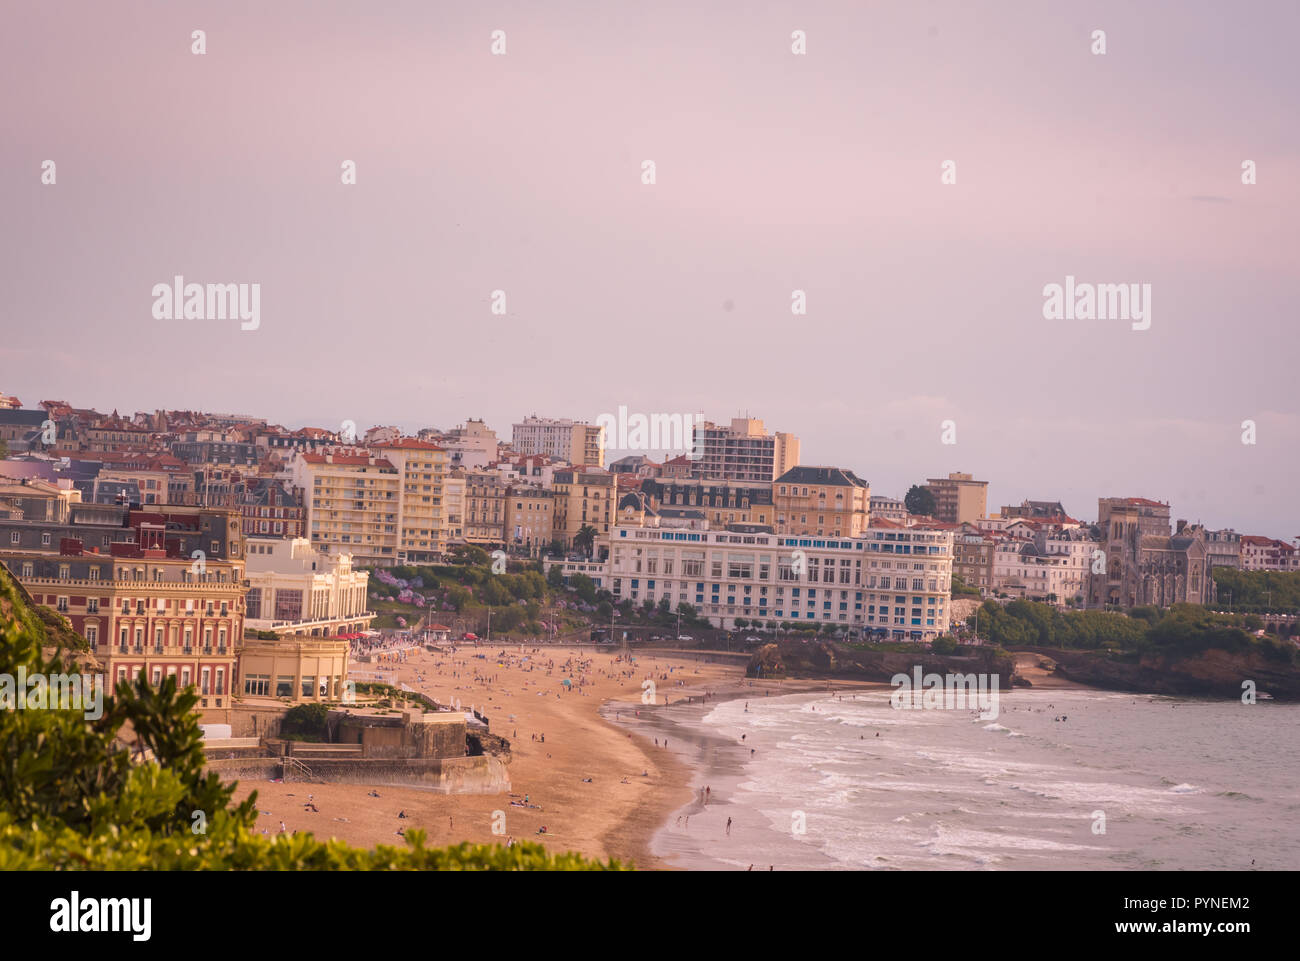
<point x="291" y="763"/>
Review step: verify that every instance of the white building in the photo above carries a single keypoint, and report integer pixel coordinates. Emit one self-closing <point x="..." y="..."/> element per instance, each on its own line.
<point x="471" y="445"/>
<point x="576" y="442"/>
<point x="1052" y="565"/>
<point x="886" y="581"/>
<point x="294" y="589"/>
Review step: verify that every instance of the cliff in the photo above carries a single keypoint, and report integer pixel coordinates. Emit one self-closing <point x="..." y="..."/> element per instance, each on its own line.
<point x="1212" y="673"/>
<point x="794" y="658"/>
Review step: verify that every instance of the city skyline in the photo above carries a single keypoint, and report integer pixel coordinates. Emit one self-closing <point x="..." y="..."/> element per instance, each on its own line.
<point x="1001" y="491"/>
<point x="776" y="173"/>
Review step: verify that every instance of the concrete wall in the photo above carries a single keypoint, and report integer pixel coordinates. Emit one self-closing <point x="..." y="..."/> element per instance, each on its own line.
<point x="453" y="775"/>
<point x="392" y="736"/>
<point x="246" y="768"/>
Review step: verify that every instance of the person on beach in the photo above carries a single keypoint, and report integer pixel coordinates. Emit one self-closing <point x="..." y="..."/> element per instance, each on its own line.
<point x="728" y="827"/>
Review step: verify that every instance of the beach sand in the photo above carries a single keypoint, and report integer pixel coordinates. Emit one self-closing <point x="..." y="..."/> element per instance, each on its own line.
<point x="601" y="819"/>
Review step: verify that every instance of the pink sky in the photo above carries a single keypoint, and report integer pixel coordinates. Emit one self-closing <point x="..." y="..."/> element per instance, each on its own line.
<point x="774" y="171"/>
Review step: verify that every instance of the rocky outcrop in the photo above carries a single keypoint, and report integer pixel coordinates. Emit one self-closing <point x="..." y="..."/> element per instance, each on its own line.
<point x="1212" y="673"/>
<point x="796" y="658"/>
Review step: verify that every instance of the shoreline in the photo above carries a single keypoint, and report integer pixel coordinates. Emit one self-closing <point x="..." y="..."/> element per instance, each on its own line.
<point x="710" y="761"/>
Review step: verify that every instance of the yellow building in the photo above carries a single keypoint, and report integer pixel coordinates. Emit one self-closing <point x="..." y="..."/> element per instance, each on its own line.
<point x="485" y="509"/>
<point x="295" y="667"/>
<point x="582" y="497"/>
<point x="825" y="501"/>
<point x="529" y="519"/>
<point x="384" y="507"/>
<point x="353" y="502"/>
<point x="958" y="499"/>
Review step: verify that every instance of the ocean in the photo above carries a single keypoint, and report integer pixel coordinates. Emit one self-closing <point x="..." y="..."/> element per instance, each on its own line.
<point x="1061" y="779"/>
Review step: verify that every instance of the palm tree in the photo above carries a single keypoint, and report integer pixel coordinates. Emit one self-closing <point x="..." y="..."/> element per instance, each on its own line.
<point x="585" y="539"/>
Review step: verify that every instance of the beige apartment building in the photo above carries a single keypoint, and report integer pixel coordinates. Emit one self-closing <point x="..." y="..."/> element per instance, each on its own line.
<point x="529" y="518"/>
<point x="582" y="497"/>
<point x="826" y="501"/>
<point x="353" y="503"/>
<point x="384" y="507"/>
<point x="958" y="498"/>
<point x="577" y="442"/>
<point x="485" y="509"/>
<point x="425" y="523"/>
<point x="742" y="451"/>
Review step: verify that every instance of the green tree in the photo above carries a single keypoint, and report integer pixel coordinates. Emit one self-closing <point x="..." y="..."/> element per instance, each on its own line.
<point x="585" y="539"/>
<point x="919" y="500"/>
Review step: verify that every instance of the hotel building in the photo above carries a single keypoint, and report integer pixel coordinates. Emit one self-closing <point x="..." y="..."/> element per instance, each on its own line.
<point x="158" y="592"/>
<point x="889" y="582"/>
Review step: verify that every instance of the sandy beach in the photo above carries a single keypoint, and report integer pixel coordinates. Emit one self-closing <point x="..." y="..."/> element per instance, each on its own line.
<point x="633" y="785"/>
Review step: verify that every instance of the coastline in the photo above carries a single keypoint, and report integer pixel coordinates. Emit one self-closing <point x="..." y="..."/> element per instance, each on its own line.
<point x="707" y="761"/>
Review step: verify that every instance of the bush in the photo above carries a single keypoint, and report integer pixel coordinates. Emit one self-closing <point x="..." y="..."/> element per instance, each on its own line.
<point x="306" y="722"/>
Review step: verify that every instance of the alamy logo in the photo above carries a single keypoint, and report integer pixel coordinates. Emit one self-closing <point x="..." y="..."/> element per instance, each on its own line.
<point x="936" y="692"/>
<point x="132" y="915"/>
<point x="1098" y="302"/>
<point x="53" y="692"/>
<point x="651" y="432"/>
<point x="182" y="301"/>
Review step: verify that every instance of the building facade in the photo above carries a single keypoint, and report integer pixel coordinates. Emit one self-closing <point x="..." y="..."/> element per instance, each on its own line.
<point x="158" y="592"/>
<point x="295" y="589"/>
<point x="958" y="498"/>
<point x="741" y="451"/>
<point x="888" y="582"/>
<point x="825" y="501"/>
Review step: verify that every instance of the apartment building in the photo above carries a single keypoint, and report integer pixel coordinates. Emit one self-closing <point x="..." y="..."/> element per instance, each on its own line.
<point x="485" y="509"/>
<point x="471" y="445"/>
<point x="972" y="560"/>
<point x="887" y="508"/>
<point x="741" y="451"/>
<point x="529" y="518"/>
<point x="582" y="497"/>
<point x="825" y="501"/>
<point x="353" y="503"/>
<point x="1052" y="566"/>
<point x="958" y="498"/>
<point x="722" y="502"/>
<point x="158" y="592"/>
<point x="577" y="442"/>
<point x="888" y="582"/>
<point x="1267" y="554"/>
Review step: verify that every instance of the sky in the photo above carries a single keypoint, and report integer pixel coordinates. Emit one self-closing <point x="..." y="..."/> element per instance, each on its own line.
<point x="774" y="172"/>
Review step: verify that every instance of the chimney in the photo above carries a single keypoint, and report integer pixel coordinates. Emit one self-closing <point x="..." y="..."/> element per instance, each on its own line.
<point x="1181" y="524"/>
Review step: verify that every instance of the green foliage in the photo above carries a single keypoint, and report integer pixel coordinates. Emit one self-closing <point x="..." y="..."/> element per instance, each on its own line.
<point x="959" y="588"/>
<point x="585" y="539"/>
<point x="73" y="797"/>
<point x="943" y="645"/>
<point x="305" y="722"/>
<point x="1258" y="591"/>
<point x="584" y="586"/>
<point x="919" y="500"/>
<point x="1183" y="630"/>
